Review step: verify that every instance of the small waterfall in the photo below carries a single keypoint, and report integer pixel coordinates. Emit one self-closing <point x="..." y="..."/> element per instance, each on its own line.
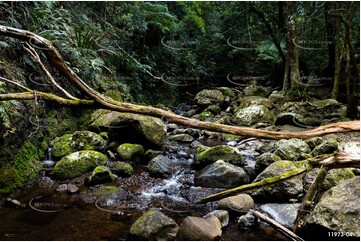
<point x="48" y="162"/>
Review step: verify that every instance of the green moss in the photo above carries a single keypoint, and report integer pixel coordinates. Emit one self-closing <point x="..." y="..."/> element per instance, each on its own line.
<point x="220" y="152"/>
<point x="130" y="152"/>
<point x="100" y="174"/>
<point x="205" y="115"/>
<point x="123" y="168"/>
<point x="25" y="169"/>
<point x="62" y="146"/>
<point x="105" y="191"/>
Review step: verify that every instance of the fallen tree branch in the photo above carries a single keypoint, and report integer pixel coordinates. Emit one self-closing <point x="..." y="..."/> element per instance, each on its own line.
<point x="286" y="232"/>
<point x="55" y="58"/>
<point x="265" y="182"/>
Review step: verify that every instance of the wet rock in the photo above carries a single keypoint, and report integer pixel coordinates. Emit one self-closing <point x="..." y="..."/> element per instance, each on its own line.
<point x="131" y="152"/>
<point x="209" y="97"/>
<point x="101" y="174"/>
<point x="78" y="163"/>
<point x="292" y="149"/>
<point x="87" y="140"/>
<point x="252" y="115"/>
<point x="151" y="128"/>
<point x="221" y="174"/>
<point x="337" y="210"/>
<point x="62" y="188"/>
<point x="105" y="191"/>
<point x="161" y="166"/>
<point x="326" y="147"/>
<point x="154" y="225"/>
<point x="241" y="203"/>
<point x="195" y="228"/>
<point x="171" y="126"/>
<point x="182" y="138"/>
<point x="222" y="215"/>
<point x="71" y="188"/>
<point x="333" y="177"/>
<point x="283" y="213"/>
<point x="121" y="168"/>
<point x="264" y="160"/>
<point x="62" y="146"/>
<point x="254" y="90"/>
<point x="283" y="191"/>
<point x="150" y="154"/>
<point x="247" y="220"/>
<point x="219" y="152"/>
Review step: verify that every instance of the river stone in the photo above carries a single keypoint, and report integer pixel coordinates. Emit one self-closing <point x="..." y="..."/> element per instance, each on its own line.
<point x="154" y="225"/>
<point x="222" y="215"/>
<point x="78" y="163"/>
<point x="214" y="109"/>
<point x="255" y="100"/>
<point x="314" y="141"/>
<point x="292" y="149"/>
<point x="333" y="177"/>
<point x="254" y="90"/>
<point x="121" y="168"/>
<point x="219" y="152"/>
<point x="337" y="210"/>
<point x="100" y="174"/>
<point x="241" y="203"/>
<point x="195" y="228"/>
<point x="326" y="147"/>
<point x="221" y="174"/>
<point x="208" y="97"/>
<point x="151" y="128"/>
<point x="72" y="188"/>
<point x="182" y="138"/>
<point x="247" y="220"/>
<point x="283" y="191"/>
<point x="252" y="115"/>
<point x="283" y="213"/>
<point x="264" y="160"/>
<point x="227" y="92"/>
<point x="87" y="140"/>
<point x="161" y="166"/>
<point x="130" y="152"/>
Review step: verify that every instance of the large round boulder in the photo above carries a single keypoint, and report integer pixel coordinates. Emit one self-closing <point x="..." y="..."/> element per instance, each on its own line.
<point x="252" y="115"/>
<point x="264" y="160"/>
<point x="292" y="149"/>
<point x="241" y="203"/>
<point x="130" y="152"/>
<point x="100" y="174"/>
<point x="283" y="191"/>
<point x="255" y="100"/>
<point x="283" y="213"/>
<point x="337" y="210"/>
<point x="208" y="97"/>
<point x="154" y="225"/>
<point x="327" y="146"/>
<point x="62" y="146"/>
<point x="161" y="166"/>
<point x="151" y="128"/>
<point x="87" y="140"/>
<point x="78" y="163"/>
<point x="219" y="152"/>
<point x="195" y="228"/>
<point x="221" y="174"/>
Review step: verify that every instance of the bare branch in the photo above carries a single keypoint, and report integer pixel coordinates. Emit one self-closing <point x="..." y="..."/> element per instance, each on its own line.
<point x="16" y="84"/>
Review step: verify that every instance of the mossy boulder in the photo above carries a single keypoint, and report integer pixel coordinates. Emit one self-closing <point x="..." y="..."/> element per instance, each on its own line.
<point x="100" y="174"/>
<point x="181" y="138"/>
<point x="62" y="146"/>
<point x="214" y="109"/>
<point x="292" y="149"/>
<point x="314" y="141"/>
<point x="255" y="100"/>
<point x="221" y="174"/>
<point x="25" y="169"/>
<point x="130" y="152"/>
<point x="283" y="191"/>
<point x="78" y="163"/>
<point x="203" y="116"/>
<point x="240" y="203"/>
<point x="227" y="92"/>
<point x="264" y="160"/>
<point x="326" y="147"/>
<point x="219" y="152"/>
<point x="151" y="128"/>
<point x="208" y="97"/>
<point x="79" y="140"/>
<point x="252" y="115"/>
<point x="255" y="90"/>
<point x="337" y="210"/>
<point x="105" y="191"/>
<point x="154" y="225"/>
<point x="121" y="168"/>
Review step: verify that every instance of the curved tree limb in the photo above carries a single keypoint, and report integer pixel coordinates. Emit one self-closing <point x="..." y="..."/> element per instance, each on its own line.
<point x="56" y="59"/>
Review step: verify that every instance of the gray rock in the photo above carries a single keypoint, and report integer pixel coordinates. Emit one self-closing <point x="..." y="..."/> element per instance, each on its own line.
<point x="219" y="152"/>
<point x="283" y="191"/>
<point x="72" y="188"/>
<point x="195" y="228"/>
<point x="313" y="142"/>
<point x="221" y="174"/>
<point x="161" y="166"/>
<point x="283" y="213"/>
<point x="222" y="215"/>
<point x="252" y="115"/>
<point x="255" y="100"/>
<point x="241" y="203"/>
<point x="338" y="209"/>
<point x="264" y="160"/>
<point x="154" y="225"/>
<point x="209" y="97"/>
<point x="151" y="128"/>
<point x="333" y="177"/>
<point x="326" y="147"/>
<point x="62" y="188"/>
<point x="214" y="109"/>
<point x="247" y="220"/>
<point x="254" y="90"/>
<point x="292" y="149"/>
<point x="182" y="138"/>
